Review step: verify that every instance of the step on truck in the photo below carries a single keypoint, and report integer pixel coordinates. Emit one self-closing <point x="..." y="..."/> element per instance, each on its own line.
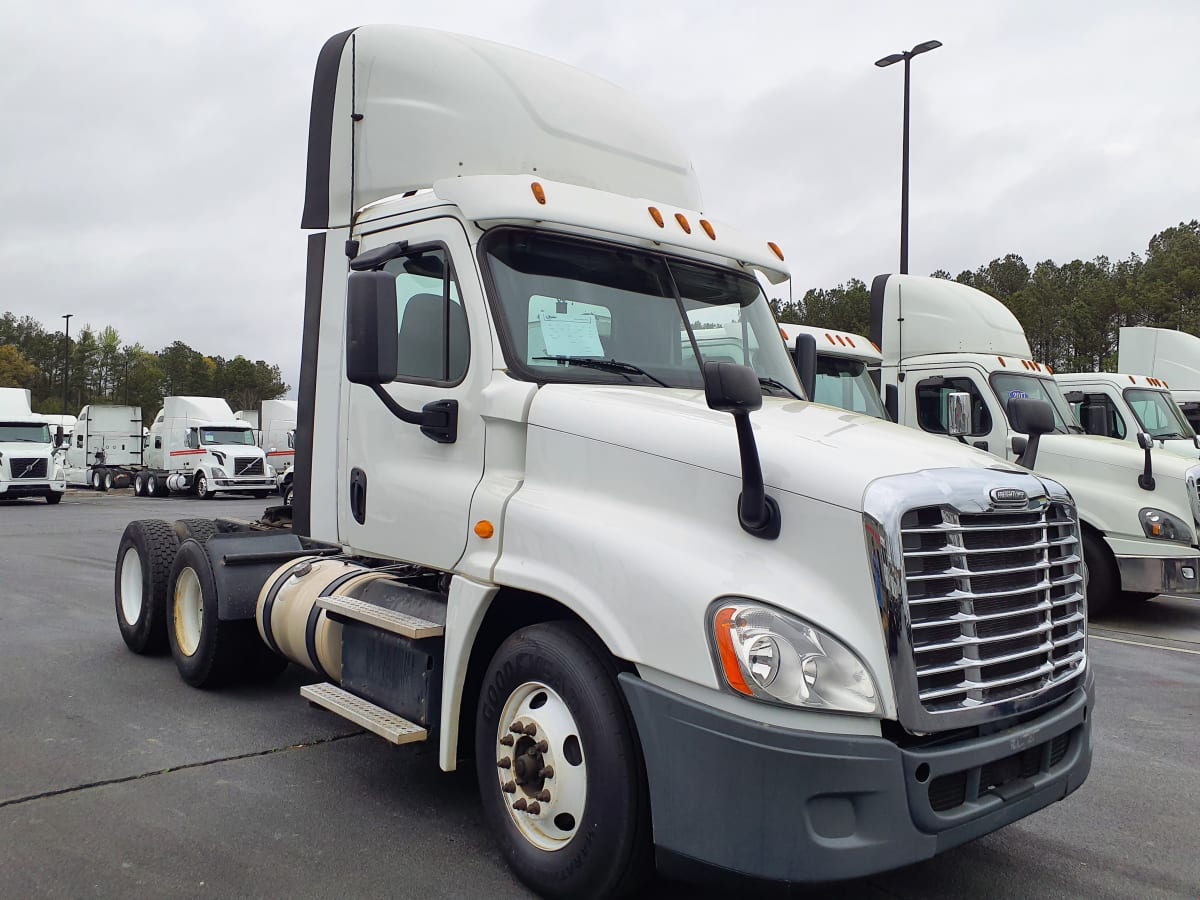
<point x="1138" y="505"/>
<point x="29" y="466"/>
<point x="667" y="609"/>
<point x="1172" y="357"/>
<point x="105" y="448"/>
<point x="197" y="446"/>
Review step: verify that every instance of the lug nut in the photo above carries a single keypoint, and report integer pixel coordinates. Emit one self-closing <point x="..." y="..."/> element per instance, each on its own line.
<point x="509" y="787"/>
<point x="533" y="808"/>
<point x="516" y="728"/>
<point x="531" y="729"/>
<point x="542" y="746"/>
<point x="547" y="772"/>
<point x="521" y="805"/>
<point x="506" y="741"/>
<point x="544" y="796"/>
<point x="504" y="762"/>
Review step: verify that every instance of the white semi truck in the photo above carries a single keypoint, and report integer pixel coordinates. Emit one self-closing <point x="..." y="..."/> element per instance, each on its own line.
<point x="1123" y="406"/>
<point x="1172" y="357"/>
<point x="28" y="463"/>
<point x="274" y="426"/>
<point x="105" y="449"/>
<point x="197" y="446"/>
<point x="1139" y="508"/>
<point x="668" y="608"/>
<point x="842" y="373"/>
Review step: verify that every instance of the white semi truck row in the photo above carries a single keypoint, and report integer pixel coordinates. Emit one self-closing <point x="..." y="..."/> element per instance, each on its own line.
<point x="669" y="611"/>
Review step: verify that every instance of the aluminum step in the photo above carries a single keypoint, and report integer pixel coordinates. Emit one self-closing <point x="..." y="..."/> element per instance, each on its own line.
<point x="380" y="617"/>
<point x="387" y="725"/>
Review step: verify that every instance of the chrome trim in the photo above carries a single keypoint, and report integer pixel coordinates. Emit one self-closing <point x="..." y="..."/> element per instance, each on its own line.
<point x="961" y="492"/>
<point x="1158" y="575"/>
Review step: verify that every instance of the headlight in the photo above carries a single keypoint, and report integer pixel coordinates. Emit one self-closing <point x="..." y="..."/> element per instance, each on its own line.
<point x="780" y="658"/>
<point x="218" y="472"/>
<point x="1164" y="526"/>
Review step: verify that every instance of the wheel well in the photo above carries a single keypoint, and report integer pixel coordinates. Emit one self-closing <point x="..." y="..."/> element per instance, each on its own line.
<point x="510" y="611"/>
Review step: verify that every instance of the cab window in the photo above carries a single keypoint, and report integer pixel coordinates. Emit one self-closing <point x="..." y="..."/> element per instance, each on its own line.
<point x="432" y="341"/>
<point x="932" y="403"/>
<point x="1114" y="423"/>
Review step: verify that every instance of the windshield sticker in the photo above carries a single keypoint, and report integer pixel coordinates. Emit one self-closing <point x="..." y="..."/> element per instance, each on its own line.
<point x="570" y="335"/>
<point x="1017" y="395"/>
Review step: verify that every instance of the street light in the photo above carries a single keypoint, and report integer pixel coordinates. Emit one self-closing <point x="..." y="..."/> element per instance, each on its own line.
<point x="906" y="57"/>
<point x="67" y="362"/>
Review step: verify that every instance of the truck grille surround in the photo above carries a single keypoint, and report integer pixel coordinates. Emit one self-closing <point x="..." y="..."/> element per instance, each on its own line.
<point x="24" y="467"/>
<point x="247" y="465"/>
<point x="982" y="600"/>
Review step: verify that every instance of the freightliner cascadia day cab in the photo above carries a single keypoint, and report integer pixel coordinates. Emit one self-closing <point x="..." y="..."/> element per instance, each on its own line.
<point x="1138" y="507"/>
<point x="1172" y="357"/>
<point x="28" y="464"/>
<point x="105" y="448"/>
<point x="662" y="602"/>
<point x="196" y="446"/>
<point x="1125" y="406"/>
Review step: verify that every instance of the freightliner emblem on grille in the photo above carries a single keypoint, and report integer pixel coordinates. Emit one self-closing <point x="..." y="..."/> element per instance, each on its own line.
<point x="1008" y="496"/>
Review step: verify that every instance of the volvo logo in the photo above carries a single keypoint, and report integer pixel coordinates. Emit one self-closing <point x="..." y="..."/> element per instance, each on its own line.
<point x="1008" y="496"/>
<point x="28" y="469"/>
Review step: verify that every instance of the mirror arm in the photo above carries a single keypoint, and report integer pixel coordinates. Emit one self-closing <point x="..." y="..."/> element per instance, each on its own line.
<point x="758" y="513"/>
<point x="1146" y="479"/>
<point x="1029" y="454"/>
<point x="438" y="420"/>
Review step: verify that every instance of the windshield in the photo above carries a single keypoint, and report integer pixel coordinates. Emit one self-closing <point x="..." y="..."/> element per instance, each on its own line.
<point x="24" y="432"/>
<point x="227" y="436"/>
<point x="578" y="310"/>
<point x="1157" y="414"/>
<point x="1009" y="385"/>
<point x="845" y="383"/>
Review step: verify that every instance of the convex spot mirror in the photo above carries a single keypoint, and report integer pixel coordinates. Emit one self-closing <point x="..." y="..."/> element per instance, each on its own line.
<point x="958" y="413"/>
<point x="372" y="344"/>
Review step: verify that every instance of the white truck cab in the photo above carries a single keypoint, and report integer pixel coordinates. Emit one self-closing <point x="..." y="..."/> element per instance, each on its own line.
<point x="1124" y="406"/>
<point x="637" y="580"/>
<point x="1172" y="357"/>
<point x="844" y="367"/>
<point x="29" y="466"/>
<point x="1138" y="507"/>
<point x="196" y="445"/>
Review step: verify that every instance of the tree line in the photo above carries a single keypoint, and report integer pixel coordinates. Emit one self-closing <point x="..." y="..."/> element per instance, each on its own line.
<point x="1071" y="312"/>
<point x="103" y="369"/>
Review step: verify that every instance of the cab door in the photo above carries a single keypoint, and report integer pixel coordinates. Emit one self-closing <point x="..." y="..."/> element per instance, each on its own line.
<point x="929" y="390"/>
<point x="404" y="495"/>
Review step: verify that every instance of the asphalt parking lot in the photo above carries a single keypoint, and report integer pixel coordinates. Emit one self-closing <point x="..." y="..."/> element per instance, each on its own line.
<point x="117" y="779"/>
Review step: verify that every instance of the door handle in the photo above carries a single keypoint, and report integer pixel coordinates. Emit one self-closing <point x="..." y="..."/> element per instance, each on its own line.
<point x="358" y="495"/>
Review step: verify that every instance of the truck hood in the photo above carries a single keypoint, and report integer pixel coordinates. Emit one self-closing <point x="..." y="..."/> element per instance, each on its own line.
<point x="24" y="449"/>
<point x="806" y="448"/>
<point x="1057" y="453"/>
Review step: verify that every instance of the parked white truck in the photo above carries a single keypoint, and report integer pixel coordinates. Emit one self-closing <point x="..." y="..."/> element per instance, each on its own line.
<point x="842" y="372"/>
<point x="105" y="448"/>
<point x="1123" y="406"/>
<point x="28" y="464"/>
<point x="196" y="446"/>
<point x="664" y="603"/>
<point x="1173" y="357"/>
<point x="1138" y="507"/>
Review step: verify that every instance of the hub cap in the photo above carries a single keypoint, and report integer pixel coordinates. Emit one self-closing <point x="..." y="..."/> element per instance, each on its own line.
<point x="541" y="767"/>
<point x="131" y="586"/>
<point x="189" y="611"/>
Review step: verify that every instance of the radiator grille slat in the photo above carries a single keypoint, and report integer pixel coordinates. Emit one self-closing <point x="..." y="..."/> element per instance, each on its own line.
<point x="247" y="465"/>
<point x="995" y="603"/>
<point x="27" y="467"/>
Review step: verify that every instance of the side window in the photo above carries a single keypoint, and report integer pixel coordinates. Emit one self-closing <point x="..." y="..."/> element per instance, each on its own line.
<point x="932" y="404"/>
<point x="433" y="341"/>
<point x="158" y="442"/>
<point x="1114" y="423"/>
<point x="1191" y="412"/>
<point x="193" y="438"/>
<point x="78" y="441"/>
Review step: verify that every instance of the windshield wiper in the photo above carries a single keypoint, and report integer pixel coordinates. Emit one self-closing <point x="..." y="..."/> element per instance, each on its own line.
<point x="607" y="365"/>
<point x="778" y="385"/>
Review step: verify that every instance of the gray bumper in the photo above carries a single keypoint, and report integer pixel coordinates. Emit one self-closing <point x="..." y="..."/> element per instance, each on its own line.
<point x="772" y="803"/>
<point x="13" y="489"/>
<point x="1157" y="575"/>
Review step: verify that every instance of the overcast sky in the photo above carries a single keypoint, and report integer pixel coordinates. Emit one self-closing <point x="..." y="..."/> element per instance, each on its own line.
<point x="152" y="155"/>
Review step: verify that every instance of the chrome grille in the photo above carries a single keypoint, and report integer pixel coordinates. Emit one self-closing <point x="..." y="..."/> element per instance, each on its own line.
<point x="995" y="603"/>
<point x="247" y="465"/>
<point x="26" y="467"/>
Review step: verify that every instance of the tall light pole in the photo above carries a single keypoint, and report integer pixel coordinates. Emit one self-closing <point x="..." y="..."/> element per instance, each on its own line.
<point x="67" y="362"/>
<point x="906" y="57"/>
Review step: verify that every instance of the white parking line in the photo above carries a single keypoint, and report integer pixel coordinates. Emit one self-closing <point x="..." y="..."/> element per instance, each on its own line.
<point x="1096" y="637"/>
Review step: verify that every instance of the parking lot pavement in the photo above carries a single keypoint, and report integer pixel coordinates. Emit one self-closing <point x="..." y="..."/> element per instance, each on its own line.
<point x="118" y="779"/>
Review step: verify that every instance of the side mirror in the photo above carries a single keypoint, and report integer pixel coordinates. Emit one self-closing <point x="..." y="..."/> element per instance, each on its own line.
<point x="372" y="345"/>
<point x="733" y="388"/>
<point x="1094" y="418"/>
<point x="958" y="414"/>
<point x="58" y="436"/>
<point x="805" y="357"/>
<point x="1146" y="479"/>
<point x="1145" y="440"/>
<point x="1031" y="417"/>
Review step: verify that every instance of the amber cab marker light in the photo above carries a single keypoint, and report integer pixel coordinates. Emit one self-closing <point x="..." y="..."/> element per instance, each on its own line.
<point x="775" y="249"/>
<point x="484" y="529"/>
<point x="683" y="223"/>
<point x="539" y="194"/>
<point x="1002" y="362"/>
<point x="729" y="662"/>
<point x="708" y="229"/>
<point x="656" y="216"/>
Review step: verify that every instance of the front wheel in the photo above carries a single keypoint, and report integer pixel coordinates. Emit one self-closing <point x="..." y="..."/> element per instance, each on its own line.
<point x="201" y="486"/>
<point x="286" y="493"/>
<point x="1104" y="581"/>
<point x="560" y="771"/>
<point x="53" y="499"/>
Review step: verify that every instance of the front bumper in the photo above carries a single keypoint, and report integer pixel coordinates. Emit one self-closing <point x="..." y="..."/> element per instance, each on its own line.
<point x="1158" y="575"/>
<point x="10" y="490"/>
<point x="774" y="803"/>
<point x="243" y="484"/>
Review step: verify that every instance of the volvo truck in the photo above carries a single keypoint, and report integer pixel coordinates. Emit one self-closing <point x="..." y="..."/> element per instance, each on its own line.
<point x="1138" y="506"/>
<point x="668" y="610"/>
<point x="28" y="463"/>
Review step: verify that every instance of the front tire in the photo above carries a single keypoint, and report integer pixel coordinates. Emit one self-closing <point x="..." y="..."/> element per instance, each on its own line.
<point x="1104" y="581"/>
<point x="560" y="771"/>
<point x="144" y="559"/>
<point x="201" y="487"/>
<point x="54" y="499"/>
<point x="287" y="494"/>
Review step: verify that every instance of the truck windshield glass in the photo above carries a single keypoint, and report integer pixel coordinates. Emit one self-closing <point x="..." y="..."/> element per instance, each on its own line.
<point x="845" y="383"/>
<point x="1008" y="385"/>
<point x="565" y="301"/>
<point x="1157" y="414"/>
<point x="227" y="436"/>
<point x="24" y="433"/>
